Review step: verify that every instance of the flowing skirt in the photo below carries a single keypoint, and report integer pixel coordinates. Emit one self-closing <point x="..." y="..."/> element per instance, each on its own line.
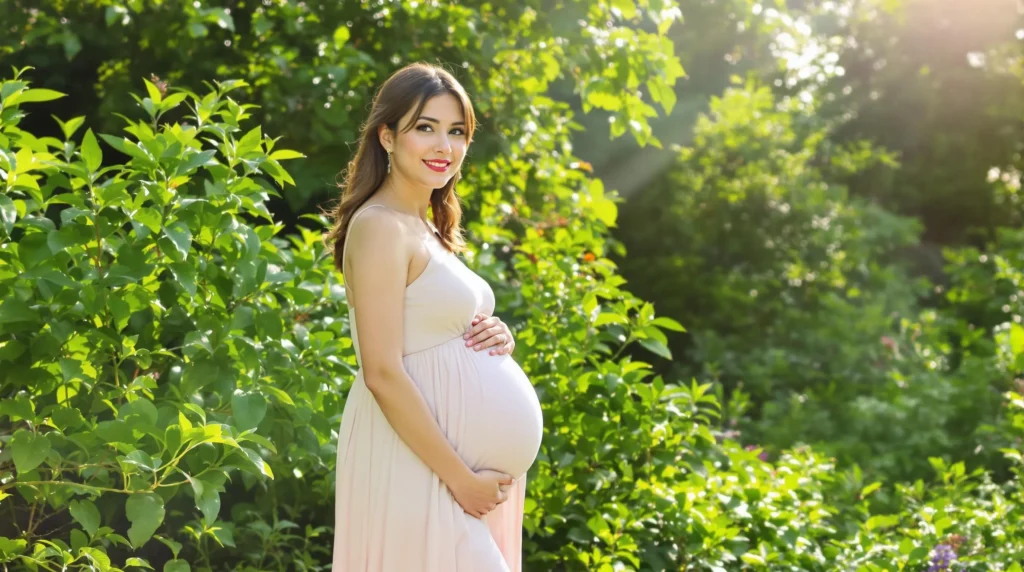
<point x="392" y="513"/>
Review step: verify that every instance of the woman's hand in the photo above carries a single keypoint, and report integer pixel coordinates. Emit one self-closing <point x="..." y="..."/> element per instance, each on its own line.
<point x="482" y="491"/>
<point x="490" y="332"/>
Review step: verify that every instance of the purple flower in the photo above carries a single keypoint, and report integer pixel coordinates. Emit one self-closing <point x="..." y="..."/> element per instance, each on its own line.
<point x="943" y="558"/>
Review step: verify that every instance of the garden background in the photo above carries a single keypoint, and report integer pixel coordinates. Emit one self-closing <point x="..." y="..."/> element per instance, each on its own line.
<point x="763" y="259"/>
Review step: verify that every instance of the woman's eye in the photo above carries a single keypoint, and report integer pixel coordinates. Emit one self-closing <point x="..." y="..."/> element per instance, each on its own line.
<point x="425" y="126"/>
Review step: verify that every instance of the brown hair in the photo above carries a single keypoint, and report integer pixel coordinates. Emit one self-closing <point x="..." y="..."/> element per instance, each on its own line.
<point x="409" y="87"/>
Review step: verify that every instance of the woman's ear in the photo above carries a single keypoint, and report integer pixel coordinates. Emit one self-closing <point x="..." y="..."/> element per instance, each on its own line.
<point x="386" y="138"/>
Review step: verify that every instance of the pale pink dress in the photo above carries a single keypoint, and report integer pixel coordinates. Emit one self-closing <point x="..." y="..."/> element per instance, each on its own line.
<point x="393" y="514"/>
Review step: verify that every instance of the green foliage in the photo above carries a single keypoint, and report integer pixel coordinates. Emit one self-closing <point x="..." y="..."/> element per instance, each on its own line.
<point x="794" y="298"/>
<point x="312" y="67"/>
<point x="904" y="87"/>
<point x="156" y="333"/>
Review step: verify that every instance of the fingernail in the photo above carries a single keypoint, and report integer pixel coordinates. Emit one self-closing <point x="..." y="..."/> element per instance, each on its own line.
<point x="478" y="346"/>
<point x="492" y="352"/>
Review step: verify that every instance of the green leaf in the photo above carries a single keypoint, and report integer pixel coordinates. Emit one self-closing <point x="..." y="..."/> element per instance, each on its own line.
<point x="870" y="489"/>
<point x="91" y="153"/>
<point x="1015" y="567"/>
<point x="142" y="407"/>
<point x="257" y="438"/>
<point x="13" y="310"/>
<point x="285" y="154"/>
<point x="180" y="235"/>
<point x="1016" y="338"/>
<point x="754" y="559"/>
<point x="657" y="347"/>
<point x="906" y="545"/>
<point x="341" y="36"/>
<point x="8" y="213"/>
<point x="9" y="88"/>
<point x="153" y="91"/>
<point x="668" y="324"/>
<point x="610" y="318"/>
<point x="86" y="514"/>
<point x="250" y="141"/>
<point x="72" y="45"/>
<point x="253" y="245"/>
<point x="34" y="249"/>
<point x="116" y="431"/>
<point x="248" y="410"/>
<point x="173" y="545"/>
<point x="18" y="408"/>
<point x="28" y="450"/>
<point x="627" y="7"/>
<point x="258" y="462"/>
<point x="173" y="100"/>
<point x="69" y="127"/>
<point x="194" y="161"/>
<point x="38" y="96"/>
<point x="134" y="561"/>
<point x="882" y="521"/>
<point x="185" y="276"/>
<point x="10" y="548"/>
<point x="141" y="459"/>
<point x="149" y="217"/>
<point x="177" y="566"/>
<point x="146" y="513"/>
<point x="597" y="524"/>
<point x="274" y="169"/>
<point x="208" y="499"/>
<point x="279" y="394"/>
<point x="224" y="536"/>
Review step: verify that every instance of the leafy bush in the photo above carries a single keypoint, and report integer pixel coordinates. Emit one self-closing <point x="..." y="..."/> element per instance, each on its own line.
<point x="312" y="67"/>
<point x="158" y="339"/>
<point x="795" y="299"/>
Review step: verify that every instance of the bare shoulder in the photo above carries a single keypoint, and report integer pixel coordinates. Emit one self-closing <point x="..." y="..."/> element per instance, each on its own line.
<point x="378" y="239"/>
<point x="374" y="228"/>
<point x="378" y="261"/>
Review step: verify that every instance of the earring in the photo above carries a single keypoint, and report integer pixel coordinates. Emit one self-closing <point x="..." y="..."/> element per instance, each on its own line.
<point x="389" y="160"/>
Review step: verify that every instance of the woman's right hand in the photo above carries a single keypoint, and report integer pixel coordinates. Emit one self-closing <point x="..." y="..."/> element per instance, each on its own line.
<point x="481" y="491"/>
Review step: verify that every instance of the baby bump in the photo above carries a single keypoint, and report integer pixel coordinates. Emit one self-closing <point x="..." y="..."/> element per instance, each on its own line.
<point x="503" y="417"/>
<point x="485" y="405"/>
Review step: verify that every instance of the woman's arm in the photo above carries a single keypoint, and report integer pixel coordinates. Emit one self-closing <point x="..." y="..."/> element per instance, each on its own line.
<point x="378" y="266"/>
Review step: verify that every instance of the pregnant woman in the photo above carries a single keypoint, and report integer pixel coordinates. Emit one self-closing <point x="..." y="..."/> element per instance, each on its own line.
<point x="441" y="424"/>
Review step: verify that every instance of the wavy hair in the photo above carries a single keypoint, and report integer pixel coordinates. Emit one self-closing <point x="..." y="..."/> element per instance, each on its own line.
<point x="408" y="88"/>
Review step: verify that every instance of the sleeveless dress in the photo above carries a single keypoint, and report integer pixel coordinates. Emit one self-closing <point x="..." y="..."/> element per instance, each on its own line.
<point x="392" y="513"/>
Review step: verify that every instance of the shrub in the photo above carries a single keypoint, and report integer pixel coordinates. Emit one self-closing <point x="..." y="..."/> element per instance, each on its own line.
<point x="160" y="354"/>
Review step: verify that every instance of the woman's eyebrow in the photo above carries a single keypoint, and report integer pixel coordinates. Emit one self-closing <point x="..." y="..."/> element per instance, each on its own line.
<point x="432" y="120"/>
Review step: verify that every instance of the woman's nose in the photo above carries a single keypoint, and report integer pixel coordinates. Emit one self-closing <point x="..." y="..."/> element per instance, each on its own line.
<point x="444" y="144"/>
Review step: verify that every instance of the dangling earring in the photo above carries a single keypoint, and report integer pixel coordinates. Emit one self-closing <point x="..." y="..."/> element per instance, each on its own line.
<point x="389" y="160"/>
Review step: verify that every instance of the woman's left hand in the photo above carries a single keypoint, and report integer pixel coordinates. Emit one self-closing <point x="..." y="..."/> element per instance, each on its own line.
<point x="489" y="332"/>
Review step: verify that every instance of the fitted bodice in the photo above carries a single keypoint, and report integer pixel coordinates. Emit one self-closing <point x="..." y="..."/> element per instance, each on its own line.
<point x="439" y="304"/>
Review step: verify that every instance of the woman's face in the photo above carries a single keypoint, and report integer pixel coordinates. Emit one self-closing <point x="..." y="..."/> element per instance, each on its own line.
<point x="431" y="152"/>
